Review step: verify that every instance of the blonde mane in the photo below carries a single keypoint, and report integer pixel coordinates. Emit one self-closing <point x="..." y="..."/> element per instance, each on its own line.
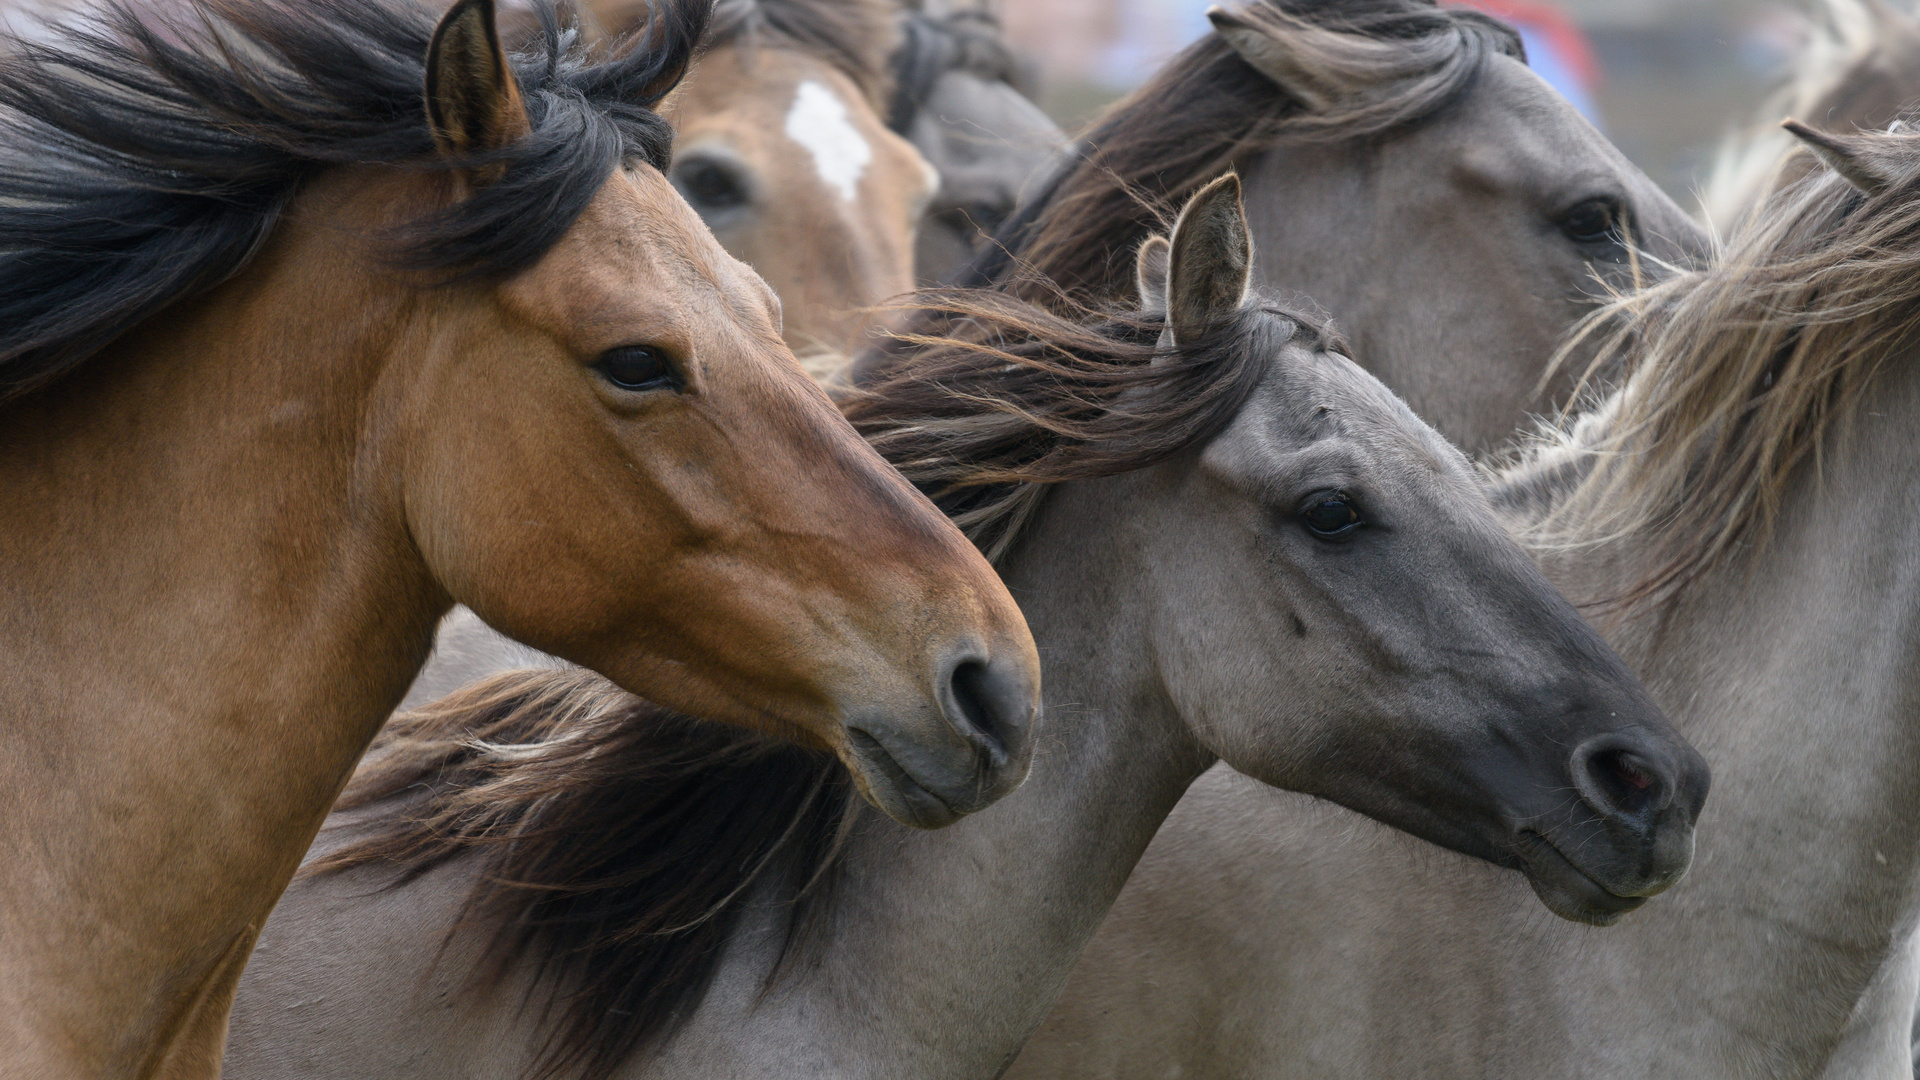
<point x="1860" y="58"/>
<point x="1733" y="375"/>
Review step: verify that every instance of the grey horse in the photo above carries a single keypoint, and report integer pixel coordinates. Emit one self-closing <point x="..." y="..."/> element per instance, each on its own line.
<point x="1403" y="168"/>
<point x="1747" y="499"/>
<point x="961" y="96"/>
<point x="1232" y="543"/>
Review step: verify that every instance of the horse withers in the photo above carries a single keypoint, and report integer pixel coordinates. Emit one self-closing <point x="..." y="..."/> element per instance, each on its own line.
<point x="318" y="319"/>
<point x="1233" y="545"/>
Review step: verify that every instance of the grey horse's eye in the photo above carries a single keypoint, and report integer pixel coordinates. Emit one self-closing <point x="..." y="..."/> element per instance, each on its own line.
<point x="1330" y="515"/>
<point x="1595" y="221"/>
<point x="639" y="367"/>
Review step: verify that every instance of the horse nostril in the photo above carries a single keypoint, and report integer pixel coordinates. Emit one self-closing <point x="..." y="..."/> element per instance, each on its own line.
<point x="986" y="704"/>
<point x="1622" y="781"/>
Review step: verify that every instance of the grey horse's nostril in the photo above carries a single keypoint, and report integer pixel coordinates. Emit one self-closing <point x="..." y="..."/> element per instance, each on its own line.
<point x="1618" y="781"/>
<point x="988" y="705"/>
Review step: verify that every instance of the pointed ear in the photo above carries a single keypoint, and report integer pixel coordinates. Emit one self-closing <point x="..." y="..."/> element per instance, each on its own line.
<point x="473" y="102"/>
<point x="1210" y="259"/>
<point x="1869" y="162"/>
<point x="1271" y="56"/>
<point x="1150" y="274"/>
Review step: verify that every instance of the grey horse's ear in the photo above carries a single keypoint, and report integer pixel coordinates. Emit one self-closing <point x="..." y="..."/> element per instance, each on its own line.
<point x="1150" y="274"/>
<point x="1273" y="57"/>
<point x="1870" y="162"/>
<point x="1210" y="258"/>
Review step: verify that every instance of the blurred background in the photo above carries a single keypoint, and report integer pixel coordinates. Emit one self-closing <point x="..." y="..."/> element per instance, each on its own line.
<point x="1665" y="79"/>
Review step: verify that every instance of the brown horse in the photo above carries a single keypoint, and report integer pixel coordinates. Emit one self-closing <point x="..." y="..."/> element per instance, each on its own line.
<point x="783" y="150"/>
<point x="271" y="407"/>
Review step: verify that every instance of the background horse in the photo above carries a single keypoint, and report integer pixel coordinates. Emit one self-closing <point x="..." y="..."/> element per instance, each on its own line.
<point x="1748" y="493"/>
<point x="1232" y="543"/>
<point x="962" y="97"/>
<point x="1385" y="144"/>
<point x="271" y="407"/>
<point x="783" y="149"/>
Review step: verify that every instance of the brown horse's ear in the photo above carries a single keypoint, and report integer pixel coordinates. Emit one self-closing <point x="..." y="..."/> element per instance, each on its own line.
<point x="1870" y="162"/>
<point x="473" y="102"/>
<point x="1150" y="274"/>
<point x="1210" y="259"/>
<point x="1271" y="56"/>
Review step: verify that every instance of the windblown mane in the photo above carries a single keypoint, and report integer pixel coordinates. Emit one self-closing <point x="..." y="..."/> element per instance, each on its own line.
<point x="1860" y="68"/>
<point x="622" y="843"/>
<point x="931" y="46"/>
<point x="1734" y="374"/>
<point x="1016" y="398"/>
<point x="146" y="154"/>
<point x="1208" y="109"/>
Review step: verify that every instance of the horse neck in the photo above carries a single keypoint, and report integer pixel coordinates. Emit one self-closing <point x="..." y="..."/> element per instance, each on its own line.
<point x="206" y="576"/>
<point x="1798" y="676"/>
<point x="945" y="949"/>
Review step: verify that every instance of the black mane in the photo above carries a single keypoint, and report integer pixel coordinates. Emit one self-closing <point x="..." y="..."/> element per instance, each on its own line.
<point x="146" y="154"/>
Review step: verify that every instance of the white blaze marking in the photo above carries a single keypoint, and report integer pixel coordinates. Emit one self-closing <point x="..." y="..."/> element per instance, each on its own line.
<point x="818" y="121"/>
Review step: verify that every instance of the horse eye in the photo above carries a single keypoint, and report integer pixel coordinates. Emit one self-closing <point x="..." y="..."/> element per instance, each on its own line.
<point x="710" y="186"/>
<point x="638" y="367"/>
<point x="1596" y="221"/>
<point x="1330" y="515"/>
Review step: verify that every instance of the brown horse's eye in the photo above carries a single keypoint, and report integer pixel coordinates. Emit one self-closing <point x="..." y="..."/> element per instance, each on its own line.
<point x="1330" y="515"/>
<point x="638" y="367"/>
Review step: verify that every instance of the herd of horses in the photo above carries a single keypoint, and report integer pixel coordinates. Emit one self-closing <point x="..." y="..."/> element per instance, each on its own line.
<point x="1378" y="713"/>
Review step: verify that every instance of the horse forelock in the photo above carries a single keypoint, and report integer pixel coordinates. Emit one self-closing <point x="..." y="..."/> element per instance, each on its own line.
<point x="1012" y="398"/>
<point x="619" y="845"/>
<point x="1397" y="62"/>
<point x="150" y="151"/>
<point x="1732" y="377"/>
<point x="857" y="37"/>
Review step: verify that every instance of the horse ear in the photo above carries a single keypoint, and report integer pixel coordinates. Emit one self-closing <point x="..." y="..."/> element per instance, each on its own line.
<point x="1210" y="259"/>
<point x="1271" y="56"/>
<point x="1869" y="162"/>
<point x="473" y="101"/>
<point x="1150" y="274"/>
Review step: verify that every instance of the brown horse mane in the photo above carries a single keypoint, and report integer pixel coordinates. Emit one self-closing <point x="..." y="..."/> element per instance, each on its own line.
<point x="146" y="155"/>
<point x="1206" y="110"/>
<point x="1734" y="374"/>
<point x="623" y="843"/>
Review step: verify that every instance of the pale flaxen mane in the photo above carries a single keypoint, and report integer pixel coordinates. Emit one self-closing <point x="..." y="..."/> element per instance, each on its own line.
<point x="1859" y="68"/>
<point x="1733" y="376"/>
<point x="1384" y="63"/>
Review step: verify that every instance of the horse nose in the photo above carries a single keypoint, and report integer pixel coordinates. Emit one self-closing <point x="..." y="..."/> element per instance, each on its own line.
<point x="991" y="704"/>
<point x="1622" y="778"/>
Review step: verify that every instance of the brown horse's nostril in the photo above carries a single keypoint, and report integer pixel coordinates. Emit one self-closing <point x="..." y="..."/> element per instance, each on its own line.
<point x="1618" y="781"/>
<point x="989" y="705"/>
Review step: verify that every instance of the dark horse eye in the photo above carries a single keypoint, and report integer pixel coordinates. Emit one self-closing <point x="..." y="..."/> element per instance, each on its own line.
<point x="710" y="186"/>
<point x="638" y="367"/>
<point x="1596" y="221"/>
<point x="1330" y="514"/>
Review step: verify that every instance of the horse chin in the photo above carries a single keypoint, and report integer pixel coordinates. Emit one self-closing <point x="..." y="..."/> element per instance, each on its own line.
<point x="1566" y="890"/>
<point x="890" y="788"/>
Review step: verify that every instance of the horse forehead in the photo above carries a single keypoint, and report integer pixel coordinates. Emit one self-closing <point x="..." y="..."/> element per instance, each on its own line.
<point x="637" y="246"/>
<point x="1312" y="395"/>
<point x="1512" y="132"/>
